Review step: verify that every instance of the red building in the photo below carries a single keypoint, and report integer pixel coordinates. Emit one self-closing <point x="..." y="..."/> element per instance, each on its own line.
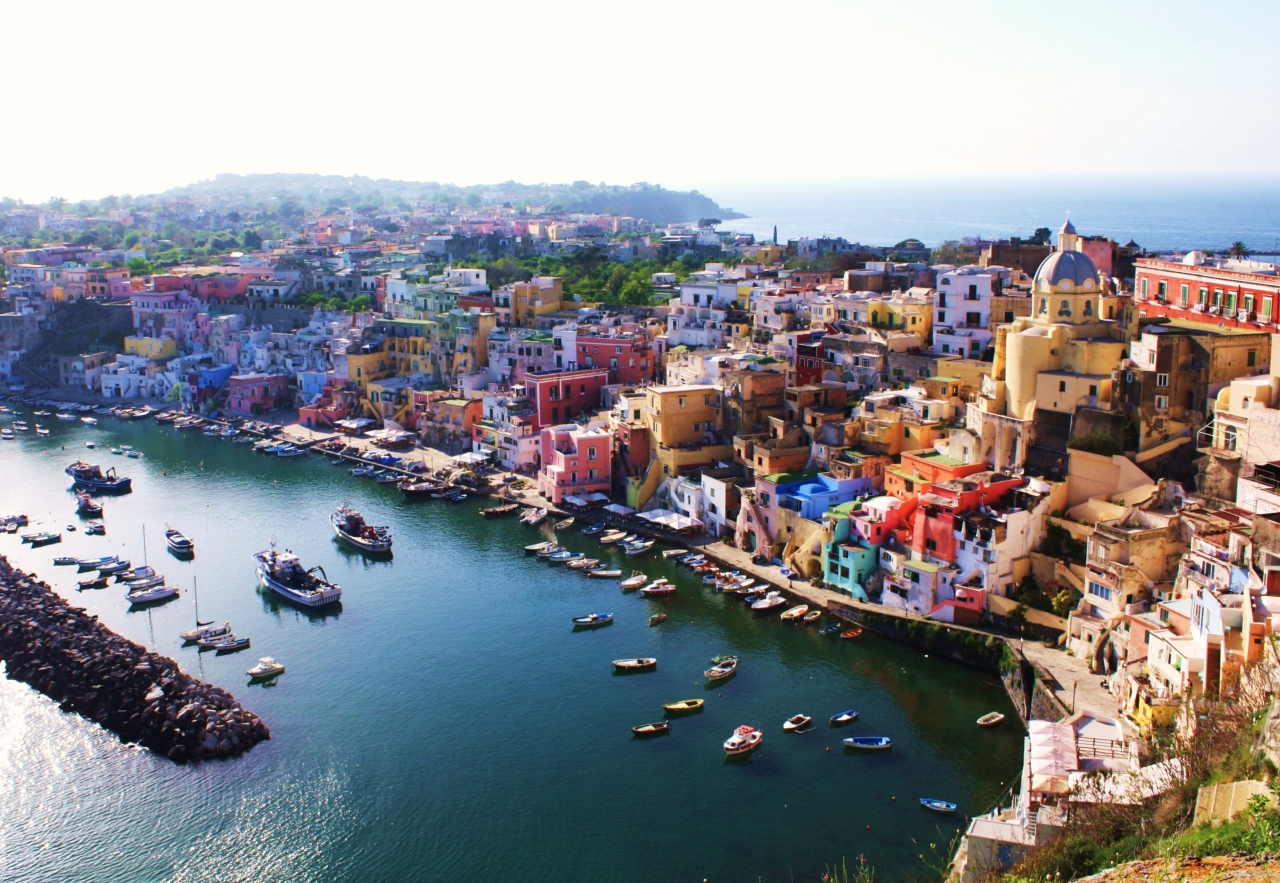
<point x="214" y="286"/>
<point x="933" y="532"/>
<point x="627" y="356"/>
<point x="256" y="393"/>
<point x="808" y="360"/>
<point x="560" y="396"/>
<point x="1237" y="294"/>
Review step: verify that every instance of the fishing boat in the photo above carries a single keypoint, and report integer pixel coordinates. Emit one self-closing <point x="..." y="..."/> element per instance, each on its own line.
<point x="769" y="602"/>
<point x="94" y="529"/>
<point x="231" y="644"/>
<point x="289" y="451"/>
<point x="850" y="634"/>
<point x="267" y="667"/>
<point x="990" y="719"/>
<point x="644" y="663"/>
<point x="283" y="573"/>
<point x="564" y="525"/>
<point x="565" y="557"/>
<point x="830" y="629"/>
<point x="795" y="614"/>
<point x="638" y="548"/>
<point x="675" y="553"/>
<point x="63" y="561"/>
<point x="97" y="563"/>
<point x="593" y="529"/>
<point x="844" y="717"/>
<point x="691" y="560"/>
<point x="869" y="743"/>
<point x="612" y="536"/>
<point x="721" y="670"/>
<point x="658" y="589"/>
<point x="114" y="568"/>
<point x="97" y="582"/>
<point x="534" y="517"/>
<point x="553" y="549"/>
<point x="635" y="581"/>
<point x="684" y="706"/>
<point x="499" y="511"/>
<point x="942" y="806"/>
<point x="90" y="477"/>
<point x="711" y="578"/>
<point x="743" y="740"/>
<point x="592" y="620"/>
<point x="178" y="544"/>
<point x="604" y="573"/>
<point x="86" y="506"/>
<point x="206" y="633"/>
<point x="154" y="593"/>
<point x="350" y="527"/>
<point x="538" y="547"/>
<point x="654" y="729"/>
<point x="657" y="618"/>
<point x="584" y="563"/>
<point x="812" y="616"/>
<point x="413" y="489"/>
<point x="390" y="478"/>
<point x="361" y="471"/>
<point x="796" y="722"/>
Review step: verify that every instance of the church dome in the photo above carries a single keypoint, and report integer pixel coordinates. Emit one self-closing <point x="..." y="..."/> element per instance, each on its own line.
<point x="1067" y="272"/>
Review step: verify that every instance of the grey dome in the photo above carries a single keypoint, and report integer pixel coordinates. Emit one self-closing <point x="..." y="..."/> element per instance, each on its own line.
<point x="1067" y="271"/>
<point x="1068" y="228"/>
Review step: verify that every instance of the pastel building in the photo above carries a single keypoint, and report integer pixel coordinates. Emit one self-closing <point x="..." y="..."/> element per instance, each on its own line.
<point x="576" y="460"/>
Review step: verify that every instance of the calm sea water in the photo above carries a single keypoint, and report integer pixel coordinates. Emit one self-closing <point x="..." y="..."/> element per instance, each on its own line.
<point x="1156" y="213"/>
<point x="447" y="724"/>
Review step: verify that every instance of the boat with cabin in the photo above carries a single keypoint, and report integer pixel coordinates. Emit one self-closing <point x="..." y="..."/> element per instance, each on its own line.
<point x="350" y="527"/>
<point x="744" y="739"/>
<point x="267" y="667"/>
<point x="86" y="506"/>
<point x="283" y="573"/>
<point x="635" y="581"/>
<point x="90" y="477"/>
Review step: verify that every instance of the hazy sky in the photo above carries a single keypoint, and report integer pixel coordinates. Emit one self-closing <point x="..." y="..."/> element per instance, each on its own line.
<point x="137" y="96"/>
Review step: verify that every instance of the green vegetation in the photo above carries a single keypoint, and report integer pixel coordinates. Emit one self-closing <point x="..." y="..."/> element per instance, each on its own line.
<point x="589" y="274"/>
<point x="1059" y="543"/>
<point x="1096" y="442"/>
<point x="334" y="304"/>
<point x="1030" y="593"/>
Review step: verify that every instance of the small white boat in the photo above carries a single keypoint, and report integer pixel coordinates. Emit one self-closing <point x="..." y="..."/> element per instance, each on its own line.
<point x="743" y="740"/>
<point x="796" y="722"/>
<point x="612" y="536"/>
<point x="605" y="573"/>
<point x="267" y="667"/>
<point x="990" y="719"/>
<point x="635" y="581"/>
<point x="638" y="548"/>
<point x="89" y="421"/>
<point x="769" y="602"/>
<point x="155" y="593"/>
<point x="204" y="633"/>
<point x="795" y="613"/>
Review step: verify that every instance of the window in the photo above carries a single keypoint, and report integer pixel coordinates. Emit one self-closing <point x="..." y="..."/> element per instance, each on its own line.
<point x="1186" y="293"/>
<point x="591" y="453"/>
<point x="973" y="320"/>
<point x="1253" y="358"/>
<point x="913" y="575"/>
<point x="1204" y="296"/>
<point x="1163" y="291"/>
<point x="931" y="545"/>
<point x="1008" y="315"/>
<point x="1248" y="302"/>
<point x="1100" y="591"/>
<point x="1144" y="285"/>
<point x="942" y="318"/>
<point x="1128" y="377"/>
<point x="1266" y="309"/>
<point x="1093" y="390"/>
<point x="1162" y="381"/>
<point x="973" y="293"/>
<point x="1062" y="386"/>
<point x="680" y="401"/>
<point x="1231" y="302"/>
<point x="1162" y="403"/>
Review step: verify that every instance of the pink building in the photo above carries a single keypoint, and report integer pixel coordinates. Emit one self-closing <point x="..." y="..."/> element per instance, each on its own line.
<point x="256" y="393"/>
<point x="575" y="460"/>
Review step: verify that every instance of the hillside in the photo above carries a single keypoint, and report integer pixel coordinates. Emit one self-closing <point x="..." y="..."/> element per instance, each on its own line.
<point x="1210" y="869"/>
<point x="650" y="201"/>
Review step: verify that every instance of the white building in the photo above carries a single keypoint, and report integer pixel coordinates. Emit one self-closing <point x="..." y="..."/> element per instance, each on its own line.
<point x="962" y="309"/>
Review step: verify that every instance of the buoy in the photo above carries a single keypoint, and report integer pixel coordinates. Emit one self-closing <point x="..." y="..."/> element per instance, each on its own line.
<point x="868" y="827"/>
<point x="828" y="747"/>
<point x="893" y="798"/>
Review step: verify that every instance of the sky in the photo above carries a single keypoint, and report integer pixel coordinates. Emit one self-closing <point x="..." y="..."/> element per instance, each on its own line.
<point x="137" y="97"/>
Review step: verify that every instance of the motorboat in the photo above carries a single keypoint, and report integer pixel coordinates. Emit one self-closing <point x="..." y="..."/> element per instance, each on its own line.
<point x="844" y="717"/>
<point x="635" y="581"/>
<point x="499" y="511"/>
<point x="231" y="644"/>
<point x="584" y="563"/>
<point x="267" y="667"/>
<point x="612" y="536"/>
<point x="390" y="478"/>
<point x="990" y="719"/>
<point x="97" y="563"/>
<point x="592" y="620"/>
<point x="137" y="573"/>
<point x="565" y="524"/>
<point x="95" y="529"/>
<point x="553" y="549"/>
<point x="115" y="567"/>
<point x="89" y="421"/>
<point x="942" y="806"/>
<point x="684" y="706"/>
<point x="63" y="561"/>
<point x="90" y="445"/>
<point x="869" y="743"/>
<point x="743" y="740"/>
<point x="65" y="417"/>
<point x="644" y="663"/>
<point x="721" y="670"/>
<point x="293" y="451"/>
<point x="154" y="593"/>
<point x="658" y="589"/>
<point x="86" y="506"/>
<point x="830" y="629"/>
<point x="178" y="543"/>
<point x="97" y="582"/>
<point x="638" y="548"/>
<point x="361" y="471"/>
<point x="657" y="619"/>
<point x="538" y="547"/>
<point x="534" y="517"/>
<point x="796" y="722"/>
<point x="812" y="616"/>
<point x="207" y="632"/>
<point x="604" y="573"/>
<point x="850" y="634"/>
<point x="350" y="527"/>
<point x="795" y="614"/>
<point x="283" y="573"/>
<point x="593" y="529"/>
<point x="565" y="557"/>
<point x="90" y="477"/>
<point x="654" y="729"/>
<point x="144" y="582"/>
<point x="769" y="602"/>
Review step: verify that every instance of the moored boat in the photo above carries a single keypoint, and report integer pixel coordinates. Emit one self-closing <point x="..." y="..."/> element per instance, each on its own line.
<point x="178" y="544"/>
<point x="97" y="582"/>
<point x="942" y="806"/>
<point x="153" y="593"/>
<point x="538" y="547"/>
<point x="658" y="588"/>
<point x="283" y="573"/>
<point x="612" y="536"/>
<point x="206" y="632"/>
<point x="86" y="506"/>
<point x="635" y="581"/>
<point x="565" y="524"/>
<point x="638" y="548"/>
<point x="593" y="529"/>
<point x="812" y="616"/>
<point x="565" y="556"/>
<point x="850" y="634"/>
<point x="796" y="722"/>
<point x="844" y="717"/>
<point x="90" y="477"/>
<point x="267" y="667"/>
<point x="869" y="743"/>
<point x="656" y="728"/>
<point x="831" y="629"/>
<point x="795" y="614"/>
<point x="722" y="670"/>
<point x="657" y="618"/>
<point x="743" y="740"/>
<point x="990" y="719"/>
<point x="583" y="563"/>
<point x="643" y="663"/>
<point x="97" y="563"/>
<point x="351" y="528"/>
<point x="684" y="706"/>
<point x="592" y="620"/>
<point x="499" y="511"/>
<point x="769" y="602"/>
<point x="604" y="573"/>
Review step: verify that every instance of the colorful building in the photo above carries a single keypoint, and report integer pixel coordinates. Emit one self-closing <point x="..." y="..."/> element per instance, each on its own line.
<point x="576" y="460"/>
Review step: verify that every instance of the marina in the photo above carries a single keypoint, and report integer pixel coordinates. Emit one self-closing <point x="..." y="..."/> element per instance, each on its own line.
<point x="452" y="566"/>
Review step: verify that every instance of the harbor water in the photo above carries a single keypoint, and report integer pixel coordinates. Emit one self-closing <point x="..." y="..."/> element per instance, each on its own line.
<point x="446" y="723"/>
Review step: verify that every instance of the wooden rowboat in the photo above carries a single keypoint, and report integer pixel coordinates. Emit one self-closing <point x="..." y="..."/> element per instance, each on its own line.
<point x="654" y="729"/>
<point x="684" y="705"/>
<point x="812" y="616"/>
<point x="852" y="633"/>
<point x="657" y="618"/>
<point x="644" y="663"/>
<point x="943" y="806"/>
<point x="990" y="719"/>
<point x="795" y="613"/>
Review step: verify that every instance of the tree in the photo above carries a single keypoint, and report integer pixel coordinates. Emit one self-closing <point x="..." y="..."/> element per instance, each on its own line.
<point x="709" y="222"/>
<point x="140" y="267"/>
<point x="1017" y="618"/>
<point x="1063" y="602"/>
<point x="637" y="292"/>
<point x="251" y="240"/>
<point x="1239" y="250"/>
<point x="1041" y="236"/>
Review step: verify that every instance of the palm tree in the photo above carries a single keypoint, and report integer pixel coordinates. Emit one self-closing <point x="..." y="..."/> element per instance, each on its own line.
<point x="1239" y="250"/>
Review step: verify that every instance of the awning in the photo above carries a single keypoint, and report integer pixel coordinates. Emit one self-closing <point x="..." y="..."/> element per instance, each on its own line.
<point x="597" y="497"/>
<point x="575" y="500"/>
<point x="670" y="520"/>
<point x="619" y="510"/>
<point x="471" y="458"/>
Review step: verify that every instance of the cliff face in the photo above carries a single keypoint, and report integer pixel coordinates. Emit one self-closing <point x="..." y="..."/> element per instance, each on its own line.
<point x="1211" y="869"/>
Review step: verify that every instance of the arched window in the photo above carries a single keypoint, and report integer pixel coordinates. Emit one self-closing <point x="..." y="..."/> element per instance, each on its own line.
<point x="1044" y="305"/>
<point x="1064" y="308"/>
<point x="1088" y="308"/>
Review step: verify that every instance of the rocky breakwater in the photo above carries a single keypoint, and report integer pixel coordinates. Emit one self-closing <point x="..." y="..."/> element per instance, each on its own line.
<point x="89" y="669"/>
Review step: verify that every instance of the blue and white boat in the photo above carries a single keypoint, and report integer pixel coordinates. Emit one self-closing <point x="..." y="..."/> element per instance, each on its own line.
<point x="943" y="806"/>
<point x="593" y="529"/>
<point x="97" y="563"/>
<point x="592" y="620"/>
<point x="869" y="743"/>
<point x="844" y="717"/>
<point x="90" y="477"/>
<point x="283" y="573"/>
<point x="565" y="557"/>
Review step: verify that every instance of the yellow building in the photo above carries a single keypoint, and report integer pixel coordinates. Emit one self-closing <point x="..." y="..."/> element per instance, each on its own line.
<point x="369" y="362"/>
<point x="151" y="347"/>
<point x="540" y="296"/>
<point x="409" y="344"/>
<point x="682" y="415"/>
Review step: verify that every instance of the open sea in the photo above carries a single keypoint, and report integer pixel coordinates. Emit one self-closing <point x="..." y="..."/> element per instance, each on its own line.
<point x="446" y="723"/>
<point x="1157" y="213"/>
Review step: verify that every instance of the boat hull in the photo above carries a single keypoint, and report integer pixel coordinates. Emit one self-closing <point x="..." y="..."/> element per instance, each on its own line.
<point x="372" y="547"/>
<point x="330" y="595"/>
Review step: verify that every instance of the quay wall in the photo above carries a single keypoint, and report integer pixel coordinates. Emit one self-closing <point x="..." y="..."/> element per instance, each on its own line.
<point x="140" y="696"/>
